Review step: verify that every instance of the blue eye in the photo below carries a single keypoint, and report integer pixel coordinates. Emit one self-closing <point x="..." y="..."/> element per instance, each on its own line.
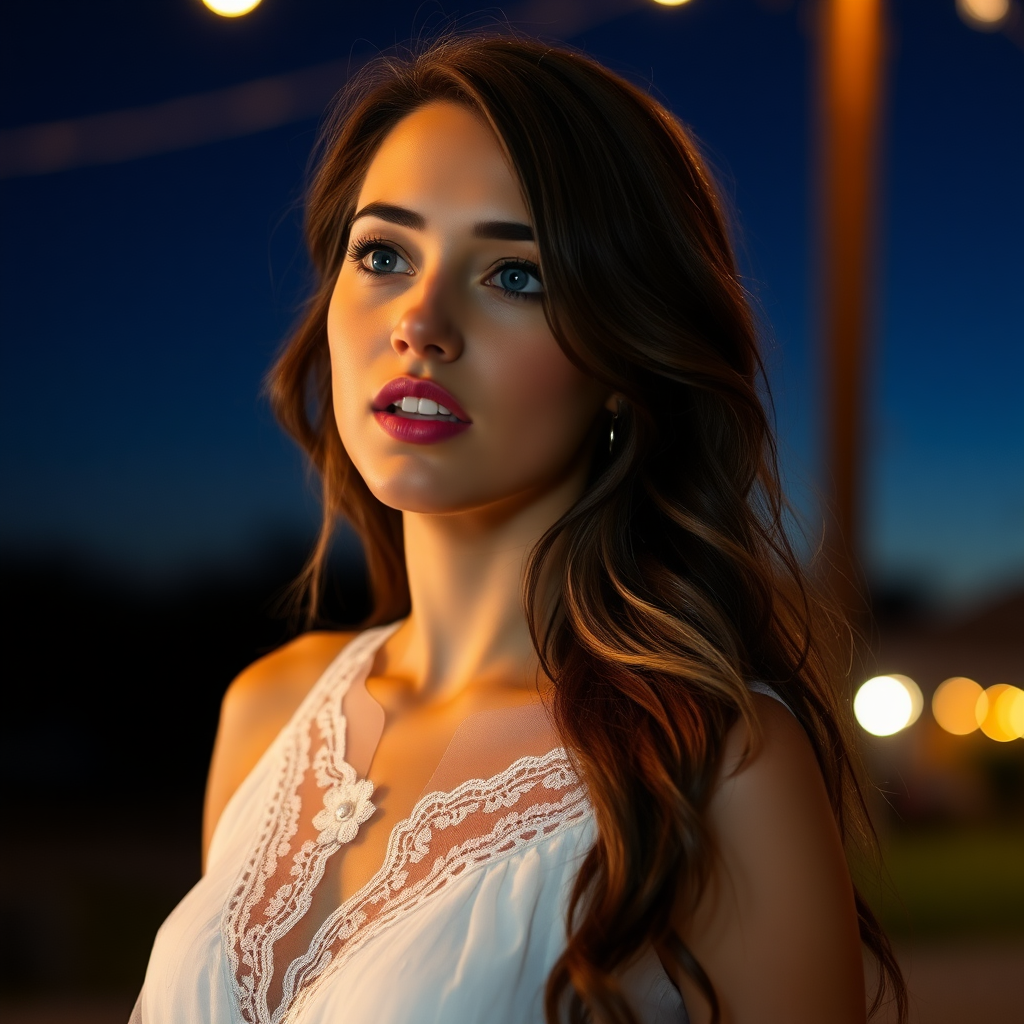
<point x="518" y="279"/>
<point x="374" y="256"/>
<point x="514" y="279"/>
<point x="383" y="261"/>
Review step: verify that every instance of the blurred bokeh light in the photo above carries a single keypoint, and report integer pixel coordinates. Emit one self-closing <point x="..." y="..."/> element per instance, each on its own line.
<point x="986" y="15"/>
<point x="954" y="703"/>
<point x="1016" y="714"/>
<point x="916" y="697"/>
<point x="231" y="8"/>
<point x="671" y="3"/>
<point x="886" y="704"/>
<point x="999" y="712"/>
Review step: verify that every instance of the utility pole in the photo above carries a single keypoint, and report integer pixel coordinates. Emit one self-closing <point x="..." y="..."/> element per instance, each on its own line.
<point x="850" y="49"/>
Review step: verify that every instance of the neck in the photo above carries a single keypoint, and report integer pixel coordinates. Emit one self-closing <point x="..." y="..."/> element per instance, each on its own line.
<point x="467" y="626"/>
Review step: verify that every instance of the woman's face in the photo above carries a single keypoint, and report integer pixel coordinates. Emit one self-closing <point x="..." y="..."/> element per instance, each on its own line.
<point x="441" y="289"/>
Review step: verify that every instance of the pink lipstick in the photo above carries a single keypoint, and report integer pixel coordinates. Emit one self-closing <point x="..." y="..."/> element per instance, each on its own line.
<point x="418" y="411"/>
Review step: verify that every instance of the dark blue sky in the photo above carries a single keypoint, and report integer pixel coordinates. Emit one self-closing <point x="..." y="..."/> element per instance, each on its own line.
<point x="141" y="302"/>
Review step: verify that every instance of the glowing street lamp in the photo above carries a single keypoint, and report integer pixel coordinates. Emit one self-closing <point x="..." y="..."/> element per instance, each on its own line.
<point x="231" y="8"/>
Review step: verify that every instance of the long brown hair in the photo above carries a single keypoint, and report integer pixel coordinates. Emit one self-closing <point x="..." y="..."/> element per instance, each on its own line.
<point x="677" y="581"/>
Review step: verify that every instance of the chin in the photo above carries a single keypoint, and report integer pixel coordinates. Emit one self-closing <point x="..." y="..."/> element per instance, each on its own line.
<point x="408" y="487"/>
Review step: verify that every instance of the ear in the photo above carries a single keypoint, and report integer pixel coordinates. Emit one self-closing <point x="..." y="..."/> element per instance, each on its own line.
<point x="614" y="403"/>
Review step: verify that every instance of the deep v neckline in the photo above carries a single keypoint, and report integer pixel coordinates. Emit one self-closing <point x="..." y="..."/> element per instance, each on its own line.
<point x="272" y="897"/>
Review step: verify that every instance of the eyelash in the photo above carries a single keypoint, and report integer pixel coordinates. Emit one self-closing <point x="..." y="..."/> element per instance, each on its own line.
<point x="360" y="249"/>
<point x="530" y="268"/>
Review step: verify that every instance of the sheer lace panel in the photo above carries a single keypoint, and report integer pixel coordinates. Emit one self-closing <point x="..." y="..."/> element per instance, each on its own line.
<point x="488" y="741"/>
<point x="283" y="931"/>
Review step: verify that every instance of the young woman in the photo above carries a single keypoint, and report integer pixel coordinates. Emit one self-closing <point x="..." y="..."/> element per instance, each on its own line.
<point x="589" y="761"/>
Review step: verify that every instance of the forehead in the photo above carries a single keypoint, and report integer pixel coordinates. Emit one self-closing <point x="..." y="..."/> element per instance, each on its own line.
<point x="442" y="159"/>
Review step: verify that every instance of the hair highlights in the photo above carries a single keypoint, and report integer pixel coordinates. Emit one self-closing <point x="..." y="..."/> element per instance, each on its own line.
<point x="676" y="582"/>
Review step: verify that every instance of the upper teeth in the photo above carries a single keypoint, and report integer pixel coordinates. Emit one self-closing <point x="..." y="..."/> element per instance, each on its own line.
<point x="424" y="406"/>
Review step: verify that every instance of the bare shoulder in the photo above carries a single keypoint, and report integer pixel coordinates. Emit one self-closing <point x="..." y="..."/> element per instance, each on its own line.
<point x="776" y="927"/>
<point x="276" y="684"/>
<point x="257" y="705"/>
<point x="781" y="770"/>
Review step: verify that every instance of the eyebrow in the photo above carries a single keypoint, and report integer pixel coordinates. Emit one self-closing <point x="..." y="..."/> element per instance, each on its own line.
<point x="501" y="230"/>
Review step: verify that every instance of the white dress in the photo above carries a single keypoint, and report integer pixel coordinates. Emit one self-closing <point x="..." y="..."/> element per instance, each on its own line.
<point x="461" y="924"/>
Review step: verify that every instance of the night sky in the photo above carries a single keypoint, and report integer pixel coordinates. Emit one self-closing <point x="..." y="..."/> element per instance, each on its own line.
<point x="141" y="302"/>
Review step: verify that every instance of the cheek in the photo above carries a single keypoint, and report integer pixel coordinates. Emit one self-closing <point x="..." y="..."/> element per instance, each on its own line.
<point x="351" y="336"/>
<point x="339" y="345"/>
<point x="546" y="397"/>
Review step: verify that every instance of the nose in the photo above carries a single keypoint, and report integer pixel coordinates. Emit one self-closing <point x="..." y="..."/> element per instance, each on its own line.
<point x="427" y="328"/>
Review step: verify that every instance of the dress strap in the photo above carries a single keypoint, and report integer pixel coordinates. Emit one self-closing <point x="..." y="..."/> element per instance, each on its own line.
<point x="758" y="687"/>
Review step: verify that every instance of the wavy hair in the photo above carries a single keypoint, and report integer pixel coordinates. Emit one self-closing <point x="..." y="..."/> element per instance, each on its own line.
<point x="676" y="581"/>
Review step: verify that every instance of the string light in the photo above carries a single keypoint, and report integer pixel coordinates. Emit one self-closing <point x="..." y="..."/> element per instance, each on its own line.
<point x="985" y="15"/>
<point x="231" y="8"/>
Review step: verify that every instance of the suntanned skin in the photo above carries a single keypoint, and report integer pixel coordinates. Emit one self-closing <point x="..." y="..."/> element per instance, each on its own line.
<point x="775" y="930"/>
<point x="255" y="709"/>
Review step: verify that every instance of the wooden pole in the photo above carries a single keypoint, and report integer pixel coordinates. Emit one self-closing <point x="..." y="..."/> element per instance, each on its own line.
<point x="850" y="49"/>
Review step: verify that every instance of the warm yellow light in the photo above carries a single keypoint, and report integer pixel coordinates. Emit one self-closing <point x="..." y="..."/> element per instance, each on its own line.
<point x="231" y="8"/>
<point x="1015" y="716"/>
<point x="997" y="714"/>
<point x="886" y="704"/>
<point x="671" y="3"/>
<point x="953" y="705"/>
<point x="916" y="696"/>
<point x="987" y="15"/>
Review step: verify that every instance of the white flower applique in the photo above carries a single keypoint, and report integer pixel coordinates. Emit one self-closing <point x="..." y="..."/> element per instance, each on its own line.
<point x="346" y="806"/>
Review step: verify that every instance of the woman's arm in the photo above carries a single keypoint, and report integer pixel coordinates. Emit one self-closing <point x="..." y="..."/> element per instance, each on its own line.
<point x="776" y="928"/>
<point x="255" y="708"/>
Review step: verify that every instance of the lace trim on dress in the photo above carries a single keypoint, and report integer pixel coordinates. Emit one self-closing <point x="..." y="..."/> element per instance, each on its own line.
<point x="541" y="796"/>
<point x="398" y="888"/>
<point x="250" y="949"/>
